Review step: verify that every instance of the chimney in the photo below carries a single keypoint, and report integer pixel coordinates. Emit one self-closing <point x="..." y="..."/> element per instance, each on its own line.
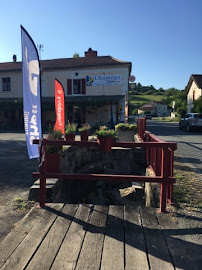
<point x="14" y="58"/>
<point x="90" y="53"/>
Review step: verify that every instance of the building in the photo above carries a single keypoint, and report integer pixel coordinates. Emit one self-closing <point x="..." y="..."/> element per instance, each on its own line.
<point x="155" y="109"/>
<point x="193" y="90"/>
<point x="95" y="88"/>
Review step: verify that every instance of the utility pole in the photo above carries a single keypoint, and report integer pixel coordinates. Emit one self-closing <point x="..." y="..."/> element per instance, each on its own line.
<point x="40" y="48"/>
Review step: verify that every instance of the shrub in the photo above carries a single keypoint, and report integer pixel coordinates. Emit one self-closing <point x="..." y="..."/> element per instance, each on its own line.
<point x="104" y="131"/>
<point x="85" y="127"/>
<point x="70" y="128"/>
<point x="126" y="127"/>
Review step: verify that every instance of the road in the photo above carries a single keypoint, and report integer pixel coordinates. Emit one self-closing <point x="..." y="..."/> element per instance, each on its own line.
<point x="189" y="145"/>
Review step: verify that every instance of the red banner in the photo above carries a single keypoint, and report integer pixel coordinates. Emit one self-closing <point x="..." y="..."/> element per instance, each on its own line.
<point x="59" y="107"/>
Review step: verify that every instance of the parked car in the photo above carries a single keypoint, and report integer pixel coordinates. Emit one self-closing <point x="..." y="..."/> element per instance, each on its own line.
<point x="148" y="116"/>
<point x="191" y="121"/>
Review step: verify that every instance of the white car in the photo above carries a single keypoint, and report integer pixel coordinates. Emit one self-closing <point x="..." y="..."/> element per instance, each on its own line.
<point x="191" y="121"/>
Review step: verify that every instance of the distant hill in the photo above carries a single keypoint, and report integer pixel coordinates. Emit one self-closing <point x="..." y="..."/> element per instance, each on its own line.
<point x="140" y="95"/>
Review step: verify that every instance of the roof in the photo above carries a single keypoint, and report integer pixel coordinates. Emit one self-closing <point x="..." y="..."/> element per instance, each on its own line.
<point x="70" y="63"/>
<point x="197" y="78"/>
<point x="148" y="107"/>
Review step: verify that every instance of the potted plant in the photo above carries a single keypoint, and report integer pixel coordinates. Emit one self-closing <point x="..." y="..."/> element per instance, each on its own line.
<point x="70" y="131"/>
<point x="126" y="132"/>
<point x="105" y="138"/>
<point x="84" y="131"/>
<point x="53" y="152"/>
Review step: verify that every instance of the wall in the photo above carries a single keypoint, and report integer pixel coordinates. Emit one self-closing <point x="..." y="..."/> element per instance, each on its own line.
<point x="48" y="78"/>
<point x="198" y="93"/>
<point x="89" y="160"/>
<point x="16" y="85"/>
<point x="162" y="110"/>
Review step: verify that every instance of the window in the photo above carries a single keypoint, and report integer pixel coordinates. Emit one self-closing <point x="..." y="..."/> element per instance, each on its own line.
<point x="77" y="87"/>
<point x="194" y="95"/>
<point x="6" y="84"/>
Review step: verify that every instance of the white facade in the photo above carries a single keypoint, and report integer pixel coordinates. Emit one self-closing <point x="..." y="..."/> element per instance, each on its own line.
<point x="48" y="78"/>
<point x="16" y="84"/>
<point x="110" y="85"/>
<point x="162" y="110"/>
<point x="194" y="93"/>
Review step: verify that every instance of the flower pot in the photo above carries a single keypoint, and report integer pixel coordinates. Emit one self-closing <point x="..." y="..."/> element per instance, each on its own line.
<point x="105" y="143"/>
<point x="52" y="163"/>
<point x="70" y="137"/>
<point x="126" y="135"/>
<point x="84" y="136"/>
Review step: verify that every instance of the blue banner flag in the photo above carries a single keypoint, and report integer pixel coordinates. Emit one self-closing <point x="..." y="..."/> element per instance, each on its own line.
<point x="31" y="93"/>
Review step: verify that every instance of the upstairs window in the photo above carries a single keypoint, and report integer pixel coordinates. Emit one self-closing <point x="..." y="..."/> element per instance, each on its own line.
<point x="76" y="87"/>
<point x="6" y="84"/>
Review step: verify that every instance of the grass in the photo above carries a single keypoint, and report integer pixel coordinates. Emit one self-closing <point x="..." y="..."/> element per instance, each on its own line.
<point x="166" y="119"/>
<point x="23" y="204"/>
<point x="186" y="189"/>
<point x="143" y="99"/>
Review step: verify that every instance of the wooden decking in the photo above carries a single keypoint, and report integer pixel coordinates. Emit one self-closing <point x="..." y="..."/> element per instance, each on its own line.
<point x="80" y="237"/>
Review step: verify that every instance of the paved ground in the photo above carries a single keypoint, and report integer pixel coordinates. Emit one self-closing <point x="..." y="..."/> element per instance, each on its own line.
<point x="188" y="170"/>
<point x="15" y="179"/>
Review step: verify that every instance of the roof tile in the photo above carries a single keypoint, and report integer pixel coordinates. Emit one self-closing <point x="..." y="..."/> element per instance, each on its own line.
<point x="69" y="63"/>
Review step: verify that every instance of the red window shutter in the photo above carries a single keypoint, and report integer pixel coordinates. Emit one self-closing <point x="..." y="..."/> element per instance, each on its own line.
<point x="69" y="87"/>
<point x="83" y="86"/>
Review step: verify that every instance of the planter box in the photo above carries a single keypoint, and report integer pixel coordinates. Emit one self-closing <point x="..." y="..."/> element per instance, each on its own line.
<point x="52" y="163"/>
<point x="84" y="136"/>
<point x="70" y="137"/>
<point x="126" y="136"/>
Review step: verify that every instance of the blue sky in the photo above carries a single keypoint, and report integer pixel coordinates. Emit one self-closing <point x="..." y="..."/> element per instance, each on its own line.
<point x="162" y="38"/>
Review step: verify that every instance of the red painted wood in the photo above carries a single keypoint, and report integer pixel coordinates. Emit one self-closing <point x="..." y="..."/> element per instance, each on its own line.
<point x="42" y="190"/>
<point x="69" y="87"/>
<point x="106" y="177"/>
<point x="159" y="156"/>
<point x="83" y="86"/>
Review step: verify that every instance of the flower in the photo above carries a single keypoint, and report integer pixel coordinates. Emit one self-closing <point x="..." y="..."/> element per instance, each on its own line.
<point x="85" y="127"/>
<point x="70" y="128"/>
<point x="126" y="127"/>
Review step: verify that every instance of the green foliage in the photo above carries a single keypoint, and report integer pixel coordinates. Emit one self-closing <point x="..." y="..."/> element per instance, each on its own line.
<point x="198" y="105"/>
<point x="70" y="128"/>
<point x="23" y="205"/>
<point x="54" y="135"/>
<point x="179" y="195"/>
<point x="104" y="131"/>
<point x="140" y="95"/>
<point x="85" y="127"/>
<point x="76" y="55"/>
<point x="125" y="127"/>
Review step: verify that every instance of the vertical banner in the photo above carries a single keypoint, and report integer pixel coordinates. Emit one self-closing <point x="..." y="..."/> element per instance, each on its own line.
<point x="31" y="93"/>
<point x="59" y="107"/>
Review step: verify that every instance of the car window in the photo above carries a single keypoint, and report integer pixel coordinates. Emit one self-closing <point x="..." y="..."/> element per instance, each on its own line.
<point x="198" y="116"/>
<point x="186" y="115"/>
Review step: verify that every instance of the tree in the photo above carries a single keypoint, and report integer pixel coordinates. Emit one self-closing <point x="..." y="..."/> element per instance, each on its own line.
<point x="76" y="55"/>
<point x="198" y="105"/>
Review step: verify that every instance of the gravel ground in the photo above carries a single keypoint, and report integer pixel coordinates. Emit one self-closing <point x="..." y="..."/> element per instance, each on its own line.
<point x="187" y="211"/>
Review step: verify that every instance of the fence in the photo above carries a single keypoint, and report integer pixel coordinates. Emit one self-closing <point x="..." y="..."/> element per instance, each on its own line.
<point x="159" y="157"/>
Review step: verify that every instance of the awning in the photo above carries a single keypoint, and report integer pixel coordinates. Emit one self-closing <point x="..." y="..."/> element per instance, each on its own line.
<point x="84" y="98"/>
